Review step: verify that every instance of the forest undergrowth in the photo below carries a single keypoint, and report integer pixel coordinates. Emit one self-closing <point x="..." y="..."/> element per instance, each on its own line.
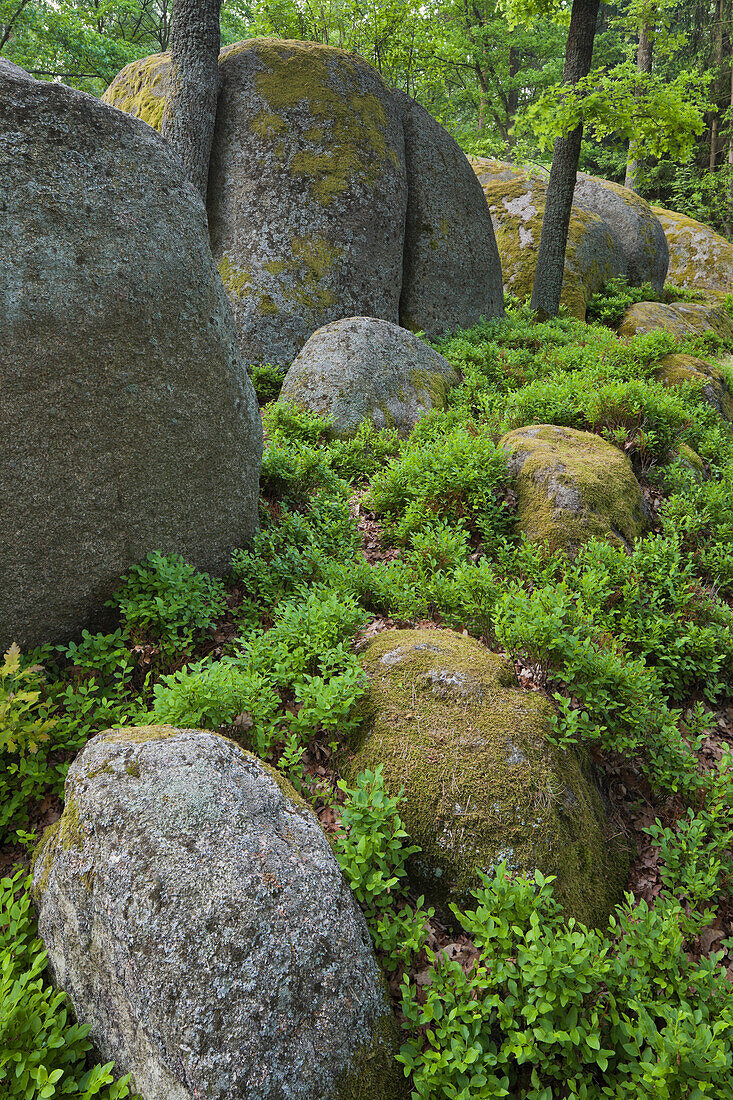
<point x="635" y="650"/>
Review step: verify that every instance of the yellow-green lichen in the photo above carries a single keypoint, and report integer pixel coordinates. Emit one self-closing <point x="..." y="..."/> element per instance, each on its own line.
<point x="140" y="89"/>
<point x="374" y="1073"/>
<point x="237" y="280"/>
<point x="432" y="384"/>
<point x="573" y="486"/>
<point x="266" y="305"/>
<point x="699" y="258"/>
<point x="268" y="125"/>
<point x="350" y="125"/>
<point x="681" y="319"/>
<point x="481" y="782"/>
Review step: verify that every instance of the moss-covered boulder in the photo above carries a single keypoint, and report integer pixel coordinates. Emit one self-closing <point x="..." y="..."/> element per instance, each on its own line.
<point x="573" y="486"/>
<point x="452" y="271"/>
<point x="681" y="319"/>
<point x="307" y="187"/>
<point x="331" y="195"/>
<point x="361" y="369"/>
<point x="448" y="722"/>
<point x="516" y="200"/>
<point x="676" y="370"/>
<point x="192" y="909"/>
<point x="699" y="258"/>
<point x="129" y="421"/>
<point x="636" y="227"/>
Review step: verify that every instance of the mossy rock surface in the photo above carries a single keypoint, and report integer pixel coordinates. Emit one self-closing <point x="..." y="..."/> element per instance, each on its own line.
<point x="676" y="370"/>
<point x="307" y="187"/>
<point x="516" y="199"/>
<point x="193" y="910"/>
<point x="573" y="486"/>
<point x="681" y="319"/>
<point x="699" y="258"/>
<point x="448" y="723"/>
<point x="361" y="368"/>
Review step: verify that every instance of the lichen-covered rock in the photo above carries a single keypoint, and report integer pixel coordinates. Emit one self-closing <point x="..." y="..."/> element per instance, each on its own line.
<point x="634" y="224"/>
<point x="573" y="486"/>
<point x="452" y="271"/>
<point x="699" y="258"/>
<point x="447" y="722"/>
<point x="308" y="197"/>
<point x="681" y="319"/>
<point x="129" y="421"/>
<point x="307" y="187"/>
<point x="691" y="461"/>
<point x="361" y="368"/>
<point x="516" y="201"/>
<point x="675" y="370"/>
<point x="193" y="911"/>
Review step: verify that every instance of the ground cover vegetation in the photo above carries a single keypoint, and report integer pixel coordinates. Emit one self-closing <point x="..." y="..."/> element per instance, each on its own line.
<point x="635" y="649"/>
<point x="496" y="86"/>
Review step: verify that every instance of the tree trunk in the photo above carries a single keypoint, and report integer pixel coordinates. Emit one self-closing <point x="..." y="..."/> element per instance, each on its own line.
<point x="190" y="108"/>
<point x="644" y="57"/>
<point x="563" y="174"/>
<point x="513" y="95"/>
<point x="715" y="121"/>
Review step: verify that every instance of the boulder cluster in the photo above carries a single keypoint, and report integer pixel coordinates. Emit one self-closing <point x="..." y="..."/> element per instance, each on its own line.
<point x="189" y="901"/>
<point x="331" y="195"/>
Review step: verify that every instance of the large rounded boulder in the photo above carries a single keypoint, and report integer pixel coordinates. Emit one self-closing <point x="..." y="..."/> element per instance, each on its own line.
<point x="452" y="272"/>
<point x="330" y="195"/>
<point x="192" y="909"/>
<point x="680" y="318"/>
<point x="573" y="486"/>
<point x="516" y="200"/>
<point x="361" y="368"/>
<point x="482" y="785"/>
<point x="635" y="225"/>
<point x="129" y="421"/>
<point x="699" y="258"/>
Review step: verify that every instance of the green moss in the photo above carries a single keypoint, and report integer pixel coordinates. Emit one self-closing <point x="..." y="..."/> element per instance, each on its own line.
<point x="266" y="305"/>
<point x="312" y="259"/>
<point x="275" y="267"/>
<point x="42" y="859"/>
<point x="433" y="384"/>
<point x="676" y="370"/>
<point x="518" y="235"/>
<point x="698" y="256"/>
<point x="481" y="782"/>
<point x="681" y="319"/>
<point x="691" y="459"/>
<point x="267" y="124"/>
<point x="141" y="87"/>
<point x="351" y="125"/>
<point x="374" y="1074"/>
<point x="237" y="280"/>
<point x="573" y="486"/>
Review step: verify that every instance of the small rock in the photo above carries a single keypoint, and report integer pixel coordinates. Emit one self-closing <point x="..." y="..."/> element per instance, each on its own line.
<point x="361" y="368"/>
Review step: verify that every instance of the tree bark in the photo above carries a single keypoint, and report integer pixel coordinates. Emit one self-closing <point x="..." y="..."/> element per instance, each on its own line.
<point x="715" y="120"/>
<point x="190" y="109"/>
<point x="644" y="57"/>
<point x="563" y="174"/>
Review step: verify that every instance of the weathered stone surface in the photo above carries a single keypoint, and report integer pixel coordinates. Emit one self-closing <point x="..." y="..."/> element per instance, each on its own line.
<point x="129" y="422"/>
<point x="517" y="204"/>
<point x="361" y="368"/>
<point x="681" y="319"/>
<point x="307" y="187"/>
<point x="192" y="909"/>
<point x="699" y="258"/>
<point x="634" y="224"/>
<point x="452" y="271"/>
<point x="573" y="486"/>
<point x="675" y="370"/>
<point x="448" y="722"/>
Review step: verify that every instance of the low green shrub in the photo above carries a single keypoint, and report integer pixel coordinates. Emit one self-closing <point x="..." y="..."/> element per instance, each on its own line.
<point x="553" y="1008"/>
<point x="267" y="379"/>
<point x="43" y="1052"/>
<point x="166" y="602"/>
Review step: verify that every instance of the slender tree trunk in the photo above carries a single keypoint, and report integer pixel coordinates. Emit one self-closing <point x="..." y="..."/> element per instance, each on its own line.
<point x="190" y="109"/>
<point x="715" y="121"/>
<point x="644" y="57"/>
<point x="513" y="93"/>
<point x="563" y="174"/>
